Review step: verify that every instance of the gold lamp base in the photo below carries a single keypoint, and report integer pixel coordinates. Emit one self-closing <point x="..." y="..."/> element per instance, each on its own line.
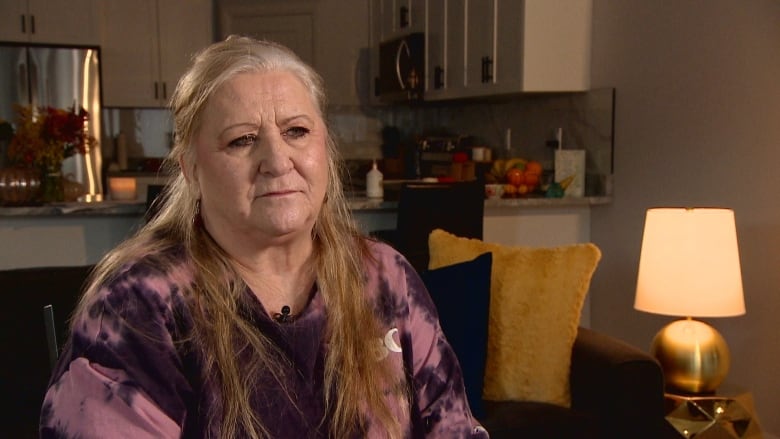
<point x="693" y="355"/>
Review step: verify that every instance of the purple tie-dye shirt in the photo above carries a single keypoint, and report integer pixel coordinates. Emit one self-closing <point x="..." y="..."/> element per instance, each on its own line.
<point x="128" y="370"/>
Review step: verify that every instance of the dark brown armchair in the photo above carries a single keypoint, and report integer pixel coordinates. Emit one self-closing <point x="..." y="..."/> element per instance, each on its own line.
<point x="25" y="371"/>
<point x="422" y="207"/>
<point x="616" y="389"/>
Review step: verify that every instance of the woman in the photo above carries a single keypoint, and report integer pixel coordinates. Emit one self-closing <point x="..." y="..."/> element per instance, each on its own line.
<point x="250" y="305"/>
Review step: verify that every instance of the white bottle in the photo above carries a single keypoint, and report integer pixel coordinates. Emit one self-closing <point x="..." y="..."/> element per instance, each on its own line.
<point x="374" y="186"/>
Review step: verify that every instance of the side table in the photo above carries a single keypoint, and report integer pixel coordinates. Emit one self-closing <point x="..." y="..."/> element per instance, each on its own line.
<point x="713" y="416"/>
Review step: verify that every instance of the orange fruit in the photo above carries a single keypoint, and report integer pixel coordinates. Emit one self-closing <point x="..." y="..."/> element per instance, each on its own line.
<point x="515" y="177"/>
<point x="523" y="189"/>
<point x="533" y="167"/>
<point x="531" y="179"/>
<point x="510" y="190"/>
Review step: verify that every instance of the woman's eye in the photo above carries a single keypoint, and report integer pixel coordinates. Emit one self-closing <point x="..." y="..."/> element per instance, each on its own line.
<point x="246" y="140"/>
<point x="296" y="132"/>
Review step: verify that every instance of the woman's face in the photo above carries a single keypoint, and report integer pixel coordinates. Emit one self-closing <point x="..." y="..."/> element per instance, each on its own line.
<point x="260" y="160"/>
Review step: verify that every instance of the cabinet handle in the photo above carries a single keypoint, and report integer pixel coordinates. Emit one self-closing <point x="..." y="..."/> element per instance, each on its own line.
<point x="376" y="86"/>
<point x="32" y="24"/>
<point x="438" y="77"/>
<point x="487" y="65"/>
<point x="24" y="24"/>
<point x="404" y="19"/>
<point x="165" y="90"/>
<point x="156" y="92"/>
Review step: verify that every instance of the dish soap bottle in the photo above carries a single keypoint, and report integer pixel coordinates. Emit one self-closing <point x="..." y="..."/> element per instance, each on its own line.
<point x="374" y="186"/>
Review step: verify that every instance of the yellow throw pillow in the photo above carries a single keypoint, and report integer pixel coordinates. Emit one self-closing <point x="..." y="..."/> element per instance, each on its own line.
<point x="536" y="296"/>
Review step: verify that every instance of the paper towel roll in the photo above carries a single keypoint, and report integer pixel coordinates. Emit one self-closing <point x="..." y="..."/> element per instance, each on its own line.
<point x="571" y="162"/>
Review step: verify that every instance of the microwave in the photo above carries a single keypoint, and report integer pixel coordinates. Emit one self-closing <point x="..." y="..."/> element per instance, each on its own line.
<point x="402" y="68"/>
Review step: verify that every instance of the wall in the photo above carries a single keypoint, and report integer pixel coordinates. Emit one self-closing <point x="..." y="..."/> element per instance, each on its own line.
<point x="697" y="124"/>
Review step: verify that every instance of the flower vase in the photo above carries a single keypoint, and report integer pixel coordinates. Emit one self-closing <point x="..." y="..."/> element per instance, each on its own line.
<point x="52" y="186"/>
<point x="19" y="186"/>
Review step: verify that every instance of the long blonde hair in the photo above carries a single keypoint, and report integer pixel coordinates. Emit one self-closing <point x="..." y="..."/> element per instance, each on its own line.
<point x="354" y="380"/>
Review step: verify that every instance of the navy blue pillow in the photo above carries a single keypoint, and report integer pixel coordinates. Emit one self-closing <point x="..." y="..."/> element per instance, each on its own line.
<point x="461" y="293"/>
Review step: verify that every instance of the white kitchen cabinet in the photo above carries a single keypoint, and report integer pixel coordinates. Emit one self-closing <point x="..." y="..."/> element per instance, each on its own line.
<point x="400" y="17"/>
<point x="480" y="42"/>
<point x="494" y="47"/>
<point x="71" y="22"/>
<point x="544" y="46"/>
<point x="438" y="76"/>
<point x="446" y="46"/>
<point x="184" y="29"/>
<point x="147" y="45"/>
<point x="374" y="39"/>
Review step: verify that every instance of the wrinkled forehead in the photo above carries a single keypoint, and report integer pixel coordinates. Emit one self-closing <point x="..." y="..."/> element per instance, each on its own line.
<point x="259" y="88"/>
<point x="257" y="99"/>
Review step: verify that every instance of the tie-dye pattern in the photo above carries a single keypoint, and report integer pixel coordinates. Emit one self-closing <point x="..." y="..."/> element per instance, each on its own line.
<point x="128" y="370"/>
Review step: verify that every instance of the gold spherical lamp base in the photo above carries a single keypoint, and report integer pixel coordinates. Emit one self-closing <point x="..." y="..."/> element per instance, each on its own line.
<point x="693" y="355"/>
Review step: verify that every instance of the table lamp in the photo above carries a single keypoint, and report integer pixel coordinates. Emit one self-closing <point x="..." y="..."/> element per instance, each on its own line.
<point x="689" y="267"/>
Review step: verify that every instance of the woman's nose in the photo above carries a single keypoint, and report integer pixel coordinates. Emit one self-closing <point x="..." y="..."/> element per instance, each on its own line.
<point x="274" y="155"/>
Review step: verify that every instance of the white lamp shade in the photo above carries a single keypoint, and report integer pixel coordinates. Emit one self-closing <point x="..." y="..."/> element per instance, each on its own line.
<point x="689" y="264"/>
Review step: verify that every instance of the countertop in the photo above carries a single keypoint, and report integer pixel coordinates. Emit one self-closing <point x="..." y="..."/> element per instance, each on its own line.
<point x="102" y="208"/>
<point x="356" y="203"/>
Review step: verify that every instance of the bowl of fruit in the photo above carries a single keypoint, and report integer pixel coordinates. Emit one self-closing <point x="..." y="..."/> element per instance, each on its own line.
<point x="520" y="177"/>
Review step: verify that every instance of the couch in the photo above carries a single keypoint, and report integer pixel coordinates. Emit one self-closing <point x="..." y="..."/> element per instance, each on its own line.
<point x="530" y="370"/>
<point x="616" y="389"/>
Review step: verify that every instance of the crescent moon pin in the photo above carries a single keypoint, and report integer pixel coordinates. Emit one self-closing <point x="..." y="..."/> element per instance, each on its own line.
<point x="390" y="342"/>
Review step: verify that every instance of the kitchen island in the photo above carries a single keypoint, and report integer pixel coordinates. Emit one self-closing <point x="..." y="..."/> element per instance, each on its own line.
<point x="81" y="233"/>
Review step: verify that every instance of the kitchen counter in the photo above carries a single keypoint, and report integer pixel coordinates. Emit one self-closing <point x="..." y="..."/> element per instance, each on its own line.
<point x="103" y="208"/>
<point x="547" y="202"/>
<point x="80" y="233"/>
<point x="356" y="203"/>
<point x="364" y="203"/>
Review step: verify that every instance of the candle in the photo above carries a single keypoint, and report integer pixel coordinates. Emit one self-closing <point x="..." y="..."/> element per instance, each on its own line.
<point x="122" y="188"/>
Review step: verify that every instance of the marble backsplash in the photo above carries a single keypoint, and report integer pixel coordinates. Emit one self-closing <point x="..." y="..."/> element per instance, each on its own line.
<point x="520" y="126"/>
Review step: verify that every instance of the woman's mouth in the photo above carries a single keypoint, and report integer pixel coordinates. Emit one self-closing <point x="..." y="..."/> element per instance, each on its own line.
<point x="279" y="193"/>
